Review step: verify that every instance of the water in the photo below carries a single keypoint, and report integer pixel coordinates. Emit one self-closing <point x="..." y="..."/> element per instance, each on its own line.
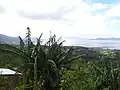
<point x="110" y="44"/>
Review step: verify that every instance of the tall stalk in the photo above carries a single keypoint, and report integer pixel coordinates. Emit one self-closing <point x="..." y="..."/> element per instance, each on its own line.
<point x="35" y="75"/>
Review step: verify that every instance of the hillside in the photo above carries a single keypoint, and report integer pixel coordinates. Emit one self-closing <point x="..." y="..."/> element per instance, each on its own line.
<point x="13" y="40"/>
<point x="8" y="39"/>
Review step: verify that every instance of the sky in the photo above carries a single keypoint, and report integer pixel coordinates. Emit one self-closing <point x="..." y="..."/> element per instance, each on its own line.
<point x="66" y="18"/>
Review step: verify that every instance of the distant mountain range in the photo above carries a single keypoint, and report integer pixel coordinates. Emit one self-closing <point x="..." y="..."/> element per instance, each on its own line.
<point x="80" y="41"/>
<point x="112" y="38"/>
<point x="8" y="39"/>
<point x="13" y="40"/>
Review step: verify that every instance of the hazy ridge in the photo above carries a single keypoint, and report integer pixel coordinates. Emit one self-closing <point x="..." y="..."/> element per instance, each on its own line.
<point x="111" y="43"/>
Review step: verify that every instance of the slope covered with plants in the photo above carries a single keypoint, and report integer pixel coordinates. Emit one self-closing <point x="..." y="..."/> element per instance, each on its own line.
<point x="53" y="66"/>
<point x="39" y="64"/>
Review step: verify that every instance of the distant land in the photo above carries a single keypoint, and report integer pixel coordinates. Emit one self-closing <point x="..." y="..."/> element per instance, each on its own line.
<point x="111" y="38"/>
<point x="98" y="43"/>
<point x="8" y="39"/>
<point x="13" y="40"/>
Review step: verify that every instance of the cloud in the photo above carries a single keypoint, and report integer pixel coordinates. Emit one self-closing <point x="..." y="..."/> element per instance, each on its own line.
<point x="115" y="21"/>
<point x="99" y="6"/>
<point x="60" y="10"/>
<point x="55" y="10"/>
<point x="113" y="11"/>
<point x="57" y="15"/>
<point x="63" y="17"/>
<point x="2" y="9"/>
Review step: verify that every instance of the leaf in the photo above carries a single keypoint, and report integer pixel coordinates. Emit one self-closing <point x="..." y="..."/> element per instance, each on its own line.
<point x="106" y="89"/>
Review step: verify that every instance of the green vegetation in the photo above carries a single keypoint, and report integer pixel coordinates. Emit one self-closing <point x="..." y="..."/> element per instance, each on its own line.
<point x="53" y="66"/>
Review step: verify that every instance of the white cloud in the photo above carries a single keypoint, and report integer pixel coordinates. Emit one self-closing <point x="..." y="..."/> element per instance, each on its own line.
<point x="114" y="21"/>
<point x="82" y="24"/>
<point x="113" y="11"/>
<point x="99" y="6"/>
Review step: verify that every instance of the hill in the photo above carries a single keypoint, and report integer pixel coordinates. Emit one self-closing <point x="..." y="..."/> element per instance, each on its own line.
<point x="13" y="40"/>
<point x="8" y="39"/>
<point x="112" y="38"/>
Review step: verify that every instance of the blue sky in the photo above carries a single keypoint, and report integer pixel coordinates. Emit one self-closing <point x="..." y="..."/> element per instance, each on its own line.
<point x="104" y="1"/>
<point x="67" y="18"/>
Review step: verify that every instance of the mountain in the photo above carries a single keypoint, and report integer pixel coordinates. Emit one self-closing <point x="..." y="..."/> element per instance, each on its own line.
<point x="13" y="40"/>
<point x="8" y="39"/>
<point x="112" y="38"/>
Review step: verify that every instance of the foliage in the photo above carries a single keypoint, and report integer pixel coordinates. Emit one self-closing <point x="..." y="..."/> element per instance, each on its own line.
<point x="103" y="74"/>
<point x="53" y="66"/>
<point x="40" y="64"/>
